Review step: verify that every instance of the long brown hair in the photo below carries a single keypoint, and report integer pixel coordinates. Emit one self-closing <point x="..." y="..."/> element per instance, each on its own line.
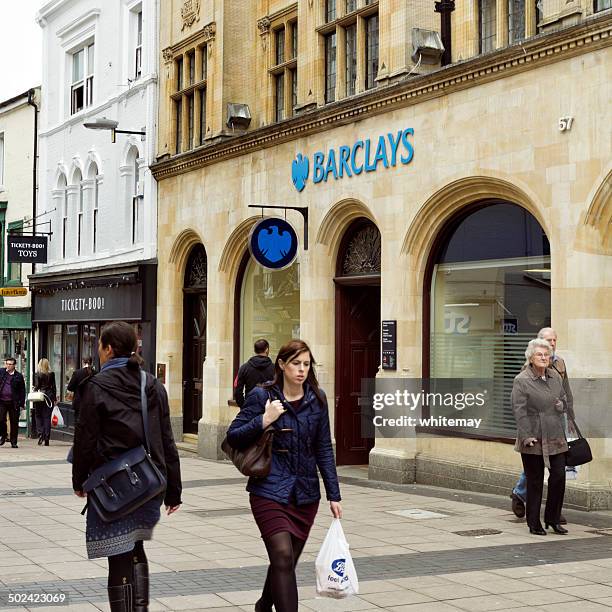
<point x="287" y="352"/>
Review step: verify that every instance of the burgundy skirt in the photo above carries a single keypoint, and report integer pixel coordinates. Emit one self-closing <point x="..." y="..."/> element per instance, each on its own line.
<point x="272" y="517"/>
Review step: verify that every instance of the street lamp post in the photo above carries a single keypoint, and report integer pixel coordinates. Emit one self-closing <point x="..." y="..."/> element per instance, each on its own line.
<point x="102" y="123"/>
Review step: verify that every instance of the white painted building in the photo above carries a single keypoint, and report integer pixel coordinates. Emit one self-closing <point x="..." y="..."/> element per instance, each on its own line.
<point x="99" y="60"/>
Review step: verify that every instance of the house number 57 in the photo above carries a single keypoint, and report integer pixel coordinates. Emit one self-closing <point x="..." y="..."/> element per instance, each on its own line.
<point x="565" y="124"/>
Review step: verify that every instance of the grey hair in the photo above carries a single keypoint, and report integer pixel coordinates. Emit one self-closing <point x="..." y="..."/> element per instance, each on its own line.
<point x="546" y="329"/>
<point x="533" y="345"/>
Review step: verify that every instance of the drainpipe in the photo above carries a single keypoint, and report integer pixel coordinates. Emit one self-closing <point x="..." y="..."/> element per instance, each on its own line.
<point x="445" y="8"/>
<point x="32" y="103"/>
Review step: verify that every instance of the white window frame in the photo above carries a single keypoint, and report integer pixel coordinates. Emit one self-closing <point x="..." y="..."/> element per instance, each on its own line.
<point x="138" y="46"/>
<point x="86" y="82"/>
<point x="95" y="209"/>
<point x="80" y="220"/>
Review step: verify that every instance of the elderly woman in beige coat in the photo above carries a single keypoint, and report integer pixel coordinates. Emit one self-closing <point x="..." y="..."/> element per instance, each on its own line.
<point x="539" y="403"/>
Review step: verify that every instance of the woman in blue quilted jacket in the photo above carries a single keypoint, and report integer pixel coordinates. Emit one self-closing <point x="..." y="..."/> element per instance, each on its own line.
<point x="285" y="502"/>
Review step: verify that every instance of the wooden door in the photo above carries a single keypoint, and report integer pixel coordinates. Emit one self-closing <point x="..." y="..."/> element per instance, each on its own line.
<point x="194" y="337"/>
<point x="357" y="357"/>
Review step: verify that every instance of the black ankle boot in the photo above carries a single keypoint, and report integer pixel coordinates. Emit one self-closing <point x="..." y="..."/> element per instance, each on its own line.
<point x="141" y="587"/>
<point x="120" y="598"/>
<point x="40" y="439"/>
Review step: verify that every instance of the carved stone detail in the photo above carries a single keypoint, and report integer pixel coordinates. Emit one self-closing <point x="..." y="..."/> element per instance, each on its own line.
<point x="362" y="255"/>
<point x="209" y="31"/>
<point x="190" y="12"/>
<point x="197" y="275"/>
<point x="168" y="55"/>
<point x="263" y="25"/>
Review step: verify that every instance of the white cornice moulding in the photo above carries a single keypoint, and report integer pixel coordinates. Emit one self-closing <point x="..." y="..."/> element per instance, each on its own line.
<point x="78" y="23"/>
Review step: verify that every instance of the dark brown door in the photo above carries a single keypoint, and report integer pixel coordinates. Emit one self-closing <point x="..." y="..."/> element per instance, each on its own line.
<point x="194" y="338"/>
<point x="357" y="357"/>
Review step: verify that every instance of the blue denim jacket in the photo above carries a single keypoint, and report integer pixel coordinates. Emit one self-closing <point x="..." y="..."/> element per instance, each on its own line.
<point x="296" y="454"/>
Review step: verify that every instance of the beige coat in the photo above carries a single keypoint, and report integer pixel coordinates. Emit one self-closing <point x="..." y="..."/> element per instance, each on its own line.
<point x="534" y="403"/>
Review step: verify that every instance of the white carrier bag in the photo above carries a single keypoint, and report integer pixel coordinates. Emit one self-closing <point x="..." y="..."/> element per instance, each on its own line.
<point x="336" y="575"/>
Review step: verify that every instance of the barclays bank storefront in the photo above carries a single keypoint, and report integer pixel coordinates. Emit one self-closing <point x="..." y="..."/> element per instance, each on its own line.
<point x="439" y="241"/>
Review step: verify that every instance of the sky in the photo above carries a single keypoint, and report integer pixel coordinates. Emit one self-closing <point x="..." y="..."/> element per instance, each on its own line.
<point x="20" y="47"/>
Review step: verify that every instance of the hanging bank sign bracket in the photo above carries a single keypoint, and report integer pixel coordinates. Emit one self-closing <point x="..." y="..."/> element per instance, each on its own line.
<point x="303" y="210"/>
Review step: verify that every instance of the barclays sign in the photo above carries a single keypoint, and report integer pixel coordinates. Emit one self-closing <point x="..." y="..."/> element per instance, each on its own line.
<point x="364" y="156"/>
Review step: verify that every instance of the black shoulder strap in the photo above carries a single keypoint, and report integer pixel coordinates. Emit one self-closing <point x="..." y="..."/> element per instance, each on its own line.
<point x="144" y="407"/>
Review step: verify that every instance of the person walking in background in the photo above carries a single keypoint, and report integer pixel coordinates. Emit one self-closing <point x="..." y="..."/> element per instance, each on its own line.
<point x="519" y="493"/>
<point x="258" y="369"/>
<point x="12" y="399"/>
<point x="539" y="404"/>
<point x="285" y="502"/>
<point x="44" y="381"/>
<point x="78" y="378"/>
<point x="111" y="423"/>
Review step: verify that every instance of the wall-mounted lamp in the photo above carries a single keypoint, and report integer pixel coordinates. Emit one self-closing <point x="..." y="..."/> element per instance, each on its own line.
<point x="102" y="123"/>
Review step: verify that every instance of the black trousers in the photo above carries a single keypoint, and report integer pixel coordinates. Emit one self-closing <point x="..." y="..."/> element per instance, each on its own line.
<point x="43" y="419"/>
<point x="534" y="470"/>
<point x="13" y="414"/>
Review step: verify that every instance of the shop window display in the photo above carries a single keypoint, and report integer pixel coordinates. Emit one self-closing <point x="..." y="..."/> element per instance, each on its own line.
<point x="270" y="307"/>
<point x="490" y="294"/>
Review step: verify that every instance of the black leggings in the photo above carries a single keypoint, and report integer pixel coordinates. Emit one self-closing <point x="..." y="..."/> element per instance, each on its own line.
<point x="121" y="567"/>
<point x="280" y="589"/>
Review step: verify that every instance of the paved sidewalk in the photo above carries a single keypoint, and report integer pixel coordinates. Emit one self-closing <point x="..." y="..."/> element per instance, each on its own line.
<point x="416" y="548"/>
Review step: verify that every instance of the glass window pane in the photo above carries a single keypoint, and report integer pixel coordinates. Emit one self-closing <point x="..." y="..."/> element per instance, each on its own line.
<point x="179" y="125"/>
<point x="179" y="73"/>
<point x="90" y="60"/>
<point x="488" y="300"/>
<point x="488" y="17"/>
<point x="294" y="40"/>
<point x="351" y="59"/>
<point x="280" y="46"/>
<point x="293" y="91"/>
<point x="71" y="347"/>
<point x="516" y="20"/>
<point x="202" y="115"/>
<point x="602" y="5"/>
<point x="54" y="352"/>
<point x="330" y="67"/>
<point x="270" y="307"/>
<point x="204" y="63"/>
<point x="280" y="96"/>
<point x="371" y="51"/>
<point x="330" y="10"/>
<point x="351" y="5"/>
<point x="78" y="66"/>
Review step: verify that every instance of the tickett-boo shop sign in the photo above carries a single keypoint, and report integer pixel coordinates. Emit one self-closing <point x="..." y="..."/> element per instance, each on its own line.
<point x="346" y="161"/>
<point x="27" y="249"/>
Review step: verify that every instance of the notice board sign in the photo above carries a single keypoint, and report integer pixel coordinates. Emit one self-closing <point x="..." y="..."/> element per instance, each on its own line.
<point x="389" y="345"/>
<point x="27" y="249"/>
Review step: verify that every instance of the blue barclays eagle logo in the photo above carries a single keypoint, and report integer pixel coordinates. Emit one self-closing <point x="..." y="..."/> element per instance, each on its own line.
<point x="339" y="567"/>
<point x="274" y="246"/>
<point x="299" y="171"/>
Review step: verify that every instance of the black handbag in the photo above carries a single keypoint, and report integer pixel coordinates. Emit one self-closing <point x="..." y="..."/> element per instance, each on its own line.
<point x="579" y="451"/>
<point x="124" y="484"/>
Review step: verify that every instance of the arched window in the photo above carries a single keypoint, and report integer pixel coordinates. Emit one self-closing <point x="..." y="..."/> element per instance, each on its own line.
<point x="269" y="306"/>
<point x="93" y="176"/>
<point x="135" y="196"/>
<point x="62" y="185"/>
<point x="78" y="181"/>
<point x="489" y="294"/>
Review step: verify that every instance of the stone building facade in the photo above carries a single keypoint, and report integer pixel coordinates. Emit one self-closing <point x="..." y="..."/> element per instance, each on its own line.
<point x="456" y="170"/>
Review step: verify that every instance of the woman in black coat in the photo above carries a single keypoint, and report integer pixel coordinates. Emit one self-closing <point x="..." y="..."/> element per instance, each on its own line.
<point x="109" y="424"/>
<point x="285" y="502"/>
<point x="44" y="380"/>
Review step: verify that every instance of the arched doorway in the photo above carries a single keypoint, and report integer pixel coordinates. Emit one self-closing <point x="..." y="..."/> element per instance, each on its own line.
<point x="357" y="283"/>
<point x="194" y="336"/>
<point x="487" y="293"/>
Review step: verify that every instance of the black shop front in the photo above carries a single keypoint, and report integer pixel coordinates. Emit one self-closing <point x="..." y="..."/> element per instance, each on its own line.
<point x="69" y="309"/>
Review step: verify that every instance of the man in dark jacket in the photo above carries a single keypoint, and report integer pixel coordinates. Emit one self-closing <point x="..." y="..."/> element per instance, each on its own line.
<point x="12" y="399"/>
<point x="79" y="377"/>
<point x="258" y="369"/>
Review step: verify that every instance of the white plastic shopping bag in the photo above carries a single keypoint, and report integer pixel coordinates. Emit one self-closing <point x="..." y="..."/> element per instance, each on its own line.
<point x="57" y="420"/>
<point x="336" y="575"/>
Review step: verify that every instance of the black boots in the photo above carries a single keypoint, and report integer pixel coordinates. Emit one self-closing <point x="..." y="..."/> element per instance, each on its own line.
<point x="141" y="587"/>
<point x="40" y="439"/>
<point x="120" y="598"/>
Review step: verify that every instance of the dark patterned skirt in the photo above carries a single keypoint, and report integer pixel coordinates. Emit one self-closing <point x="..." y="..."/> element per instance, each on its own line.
<point x="120" y="536"/>
<point x="272" y="517"/>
